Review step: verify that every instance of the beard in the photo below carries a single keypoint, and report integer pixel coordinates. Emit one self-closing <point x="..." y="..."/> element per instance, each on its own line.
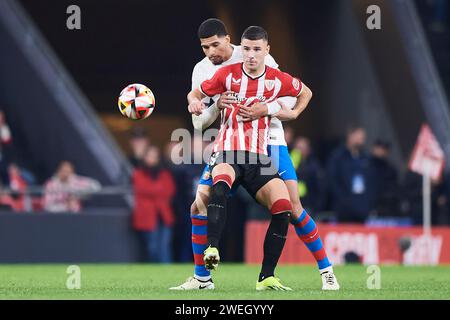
<point x="216" y="60"/>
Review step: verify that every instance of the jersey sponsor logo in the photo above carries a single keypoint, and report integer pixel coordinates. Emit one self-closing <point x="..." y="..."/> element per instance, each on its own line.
<point x="295" y="84"/>
<point x="249" y="100"/>
<point x="270" y="84"/>
<point x="236" y="80"/>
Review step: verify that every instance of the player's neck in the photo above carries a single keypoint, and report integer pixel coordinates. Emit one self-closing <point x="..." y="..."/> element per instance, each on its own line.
<point x="254" y="73"/>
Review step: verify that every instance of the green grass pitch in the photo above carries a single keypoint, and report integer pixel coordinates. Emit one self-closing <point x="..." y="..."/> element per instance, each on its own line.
<point x="233" y="282"/>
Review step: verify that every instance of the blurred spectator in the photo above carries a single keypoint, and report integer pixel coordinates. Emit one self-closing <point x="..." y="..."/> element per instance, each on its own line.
<point x="153" y="218"/>
<point x="16" y="197"/>
<point x="311" y="176"/>
<point x="386" y="184"/>
<point x="289" y="136"/>
<point x="442" y="201"/>
<point x="5" y="140"/>
<point x="447" y="196"/>
<point x="65" y="190"/>
<point x="139" y="142"/>
<point x="351" y="179"/>
<point x="18" y="186"/>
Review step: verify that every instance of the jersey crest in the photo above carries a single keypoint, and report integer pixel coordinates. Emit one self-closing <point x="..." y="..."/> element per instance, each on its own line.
<point x="269" y="84"/>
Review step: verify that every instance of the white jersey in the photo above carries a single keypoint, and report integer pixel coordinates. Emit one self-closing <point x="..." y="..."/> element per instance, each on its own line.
<point x="205" y="69"/>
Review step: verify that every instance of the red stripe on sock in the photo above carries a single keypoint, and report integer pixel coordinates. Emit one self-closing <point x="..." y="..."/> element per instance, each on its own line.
<point x="320" y="254"/>
<point x="199" y="222"/>
<point x="198" y="259"/>
<point x="303" y="223"/>
<point x="223" y="177"/>
<point x="310" y="237"/>
<point x="281" y="205"/>
<point x="199" y="239"/>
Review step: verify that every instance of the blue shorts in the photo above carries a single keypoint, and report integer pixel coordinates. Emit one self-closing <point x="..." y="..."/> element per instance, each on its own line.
<point x="280" y="158"/>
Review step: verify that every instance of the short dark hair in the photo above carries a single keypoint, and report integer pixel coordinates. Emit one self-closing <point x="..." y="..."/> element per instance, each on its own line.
<point x="212" y="27"/>
<point x="255" y="33"/>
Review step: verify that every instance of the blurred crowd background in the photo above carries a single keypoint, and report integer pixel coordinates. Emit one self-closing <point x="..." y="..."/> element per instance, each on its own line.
<point x="350" y="148"/>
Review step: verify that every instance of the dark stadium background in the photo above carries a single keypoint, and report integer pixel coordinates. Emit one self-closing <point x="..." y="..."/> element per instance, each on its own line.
<point x="358" y="76"/>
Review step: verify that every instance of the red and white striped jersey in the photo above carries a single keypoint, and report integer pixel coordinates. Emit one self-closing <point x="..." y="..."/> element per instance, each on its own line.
<point x="234" y="134"/>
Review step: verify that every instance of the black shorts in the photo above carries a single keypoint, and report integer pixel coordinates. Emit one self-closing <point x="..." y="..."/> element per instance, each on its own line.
<point x="252" y="170"/>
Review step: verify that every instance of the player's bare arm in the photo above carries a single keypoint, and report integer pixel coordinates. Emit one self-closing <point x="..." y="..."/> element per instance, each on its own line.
<point x="286" y="114"/>
<point x="196" y="106"/>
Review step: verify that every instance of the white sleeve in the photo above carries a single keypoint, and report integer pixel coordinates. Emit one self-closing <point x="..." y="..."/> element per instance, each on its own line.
<point x="196" y="77"/>
<point x="207" y="117"/>
<point x="270" y="61"/>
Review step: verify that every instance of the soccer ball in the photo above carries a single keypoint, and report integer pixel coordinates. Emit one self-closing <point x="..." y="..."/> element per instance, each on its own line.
<point x="136" y="101"/>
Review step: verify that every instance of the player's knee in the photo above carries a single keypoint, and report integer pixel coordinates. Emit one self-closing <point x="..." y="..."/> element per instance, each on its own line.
<point x="226" y="178"/>
<point x="281" y="206"/>
<point x="221" y="185"/>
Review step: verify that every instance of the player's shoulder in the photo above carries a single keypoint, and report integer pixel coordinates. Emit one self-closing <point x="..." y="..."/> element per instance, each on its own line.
<point x="279" y="73"/>
<point x="271" y="71"/>
<point x="237" y="65"/>
<point x="201" y="65"/>
<point x="231" y="68"/>
<point x="275" y="70"/>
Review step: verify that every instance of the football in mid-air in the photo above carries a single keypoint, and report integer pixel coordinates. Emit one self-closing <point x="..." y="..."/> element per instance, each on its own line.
<point x="136" y="101"/>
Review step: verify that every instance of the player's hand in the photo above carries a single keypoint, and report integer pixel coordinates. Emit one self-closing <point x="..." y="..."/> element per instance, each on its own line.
<point x="226" y="100"/>
<point x="196" y="107"/>
<point x="256" y="111"/>
<point x="286" y="113"/>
